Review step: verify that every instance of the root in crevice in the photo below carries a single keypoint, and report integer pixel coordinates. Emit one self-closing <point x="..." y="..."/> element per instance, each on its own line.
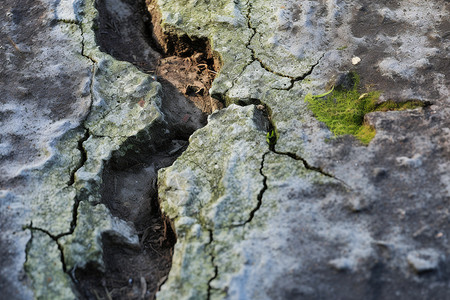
<point x="188" y="63"/>
<point x="185" y="66"/>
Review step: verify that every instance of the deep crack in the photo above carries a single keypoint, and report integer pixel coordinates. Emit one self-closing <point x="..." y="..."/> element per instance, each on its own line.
<point x="77" y="200"/>
<point x="128" y="189"/>
<point x="308" y="166"/>
<point x="216" y="268"/>
<point x="83" y="158"/>
<point x="261" y="192"/>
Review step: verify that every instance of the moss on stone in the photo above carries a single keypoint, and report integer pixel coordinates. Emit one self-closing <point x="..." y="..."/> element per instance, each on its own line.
<point x="343" y="110"/>
<point x="404" y="105"/>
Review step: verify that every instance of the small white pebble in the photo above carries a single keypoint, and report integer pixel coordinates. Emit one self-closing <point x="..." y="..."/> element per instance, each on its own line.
<point x="423" y="260"/>
<point x="356" y="60"/>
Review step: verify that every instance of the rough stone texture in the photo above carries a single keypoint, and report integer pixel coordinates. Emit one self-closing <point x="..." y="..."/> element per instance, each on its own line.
<point x="54" y="193"/>
<point x="335" y="216"/>
<point x="49" y="280"/>
<point x="228" y="195"/>
<point x="313" y="217"/>
<point x="44" y="94"/>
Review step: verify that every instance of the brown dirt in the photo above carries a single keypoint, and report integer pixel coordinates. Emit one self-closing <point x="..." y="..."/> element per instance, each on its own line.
<point x="193" y="77"/>
<point x="190" y="64"/>
<point x="131" y="273"/>
<point x="179" y="62"/>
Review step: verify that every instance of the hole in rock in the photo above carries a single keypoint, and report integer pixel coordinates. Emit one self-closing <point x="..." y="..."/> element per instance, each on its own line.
<point x="185" y="67"/>
<point x="129" y="30"/>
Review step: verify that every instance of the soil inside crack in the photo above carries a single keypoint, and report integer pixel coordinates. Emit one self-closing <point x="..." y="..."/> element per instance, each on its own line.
<point x="185" y="67"/>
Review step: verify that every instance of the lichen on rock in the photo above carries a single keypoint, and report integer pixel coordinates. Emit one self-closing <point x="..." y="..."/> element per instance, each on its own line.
<point x="209" y="197"/>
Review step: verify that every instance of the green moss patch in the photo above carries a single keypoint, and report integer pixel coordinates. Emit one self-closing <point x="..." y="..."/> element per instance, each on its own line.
<point x="391" y="105"/>
<point x="343" y="110"/>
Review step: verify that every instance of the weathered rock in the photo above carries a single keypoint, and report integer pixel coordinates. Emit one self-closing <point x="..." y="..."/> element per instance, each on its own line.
<point x="62" y="185"/>
<point x="84" y="244"/>
<point x="211" y="197"/>
<point x="49" y="280"/>
<point x="424" y="260"/>
<point x="45" y="94"/>
<point x="335" y="215"/>
<point x="312" y="216"/>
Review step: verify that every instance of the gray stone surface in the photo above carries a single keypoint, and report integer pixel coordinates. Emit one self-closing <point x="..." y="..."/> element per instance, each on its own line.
<point x="312" y="217"/>
<point x="45" y="92"/>
<point x="335" y="216"/>
<point x="79" y="105"/>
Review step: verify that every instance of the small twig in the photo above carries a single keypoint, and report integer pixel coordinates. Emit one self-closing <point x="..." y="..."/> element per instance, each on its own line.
<point x="154" y="249"/>
<point x="97" y="296"/>
<point x="108" y="294"/>
<point x="14" y="44"/>
<point x="144" y="287"/>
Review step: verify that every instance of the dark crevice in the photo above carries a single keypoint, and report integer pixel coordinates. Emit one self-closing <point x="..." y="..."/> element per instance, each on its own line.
<point x="308" y="166"/>
<point x="249" y="25"/>
<point x="261" y="193"/>
<point x="129" y="190"/>
<point x="216" y="269"/>
<point x="185" y="66"/>
<point x="83" y="158"/>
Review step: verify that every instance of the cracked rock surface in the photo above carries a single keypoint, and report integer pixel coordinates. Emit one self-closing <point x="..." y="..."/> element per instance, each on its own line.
<point x="67" y="108"/>
<point x="310" y="216"/>
<point x="336" y="219"/>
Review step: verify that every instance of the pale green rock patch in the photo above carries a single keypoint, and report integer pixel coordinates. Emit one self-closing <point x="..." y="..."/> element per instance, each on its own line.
<point x="49" y="280"/>
<point x="211" y="197"/>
